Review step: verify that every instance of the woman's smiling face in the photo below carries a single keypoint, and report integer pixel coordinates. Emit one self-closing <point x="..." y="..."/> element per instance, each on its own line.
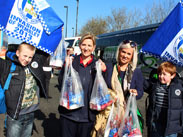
<point x="87" y="47"/>
<point x="125" y="55"/>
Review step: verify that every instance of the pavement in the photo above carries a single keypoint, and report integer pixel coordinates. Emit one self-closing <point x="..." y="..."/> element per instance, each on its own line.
<point x="46" y="122"/>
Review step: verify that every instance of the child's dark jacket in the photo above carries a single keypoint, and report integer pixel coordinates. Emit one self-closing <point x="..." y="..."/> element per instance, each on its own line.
<point x="14" y="95"/>
<point x="175" y="105"/>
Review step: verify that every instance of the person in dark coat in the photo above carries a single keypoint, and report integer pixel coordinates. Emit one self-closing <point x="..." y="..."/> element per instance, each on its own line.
<point x="79" y="122"/>
<point x="47" y="70"/>
<point x="22" y="97"/>
<point x="164" y="113"/>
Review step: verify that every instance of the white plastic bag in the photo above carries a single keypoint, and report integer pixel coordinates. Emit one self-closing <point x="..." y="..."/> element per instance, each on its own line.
<point x="114" y="120"/>
<point x="130" y="125"/>
<point x="58" y="58"/>
<point x="100" y="97"/>
<point x="72" y="94"/>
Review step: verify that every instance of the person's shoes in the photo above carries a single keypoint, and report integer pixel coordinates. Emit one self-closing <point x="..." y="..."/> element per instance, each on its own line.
<point x="49" y="97"/>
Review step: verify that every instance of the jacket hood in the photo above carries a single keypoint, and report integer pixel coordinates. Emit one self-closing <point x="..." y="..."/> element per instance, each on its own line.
<point x="11" y="56"/>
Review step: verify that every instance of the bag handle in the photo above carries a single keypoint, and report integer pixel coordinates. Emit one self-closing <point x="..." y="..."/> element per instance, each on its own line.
<point x="13" y="67"/>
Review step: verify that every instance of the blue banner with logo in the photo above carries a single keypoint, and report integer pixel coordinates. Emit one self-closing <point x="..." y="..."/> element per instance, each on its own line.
<point x="31" y="21"/>
<point x="167" y="41"/>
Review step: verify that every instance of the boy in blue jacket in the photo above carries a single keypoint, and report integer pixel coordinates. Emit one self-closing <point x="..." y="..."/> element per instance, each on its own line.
<point x="164" y="114"/>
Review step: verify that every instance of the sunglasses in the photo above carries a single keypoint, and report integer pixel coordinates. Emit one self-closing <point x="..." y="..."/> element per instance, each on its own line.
<point x="132" y="44"/>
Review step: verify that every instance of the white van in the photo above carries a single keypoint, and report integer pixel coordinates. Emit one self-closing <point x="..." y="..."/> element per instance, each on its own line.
<point x="74" y="42"/>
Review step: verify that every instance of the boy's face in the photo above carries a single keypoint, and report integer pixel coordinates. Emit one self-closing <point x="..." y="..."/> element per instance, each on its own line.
<point x="165" y="77"/>
<point x="25" y="55"/>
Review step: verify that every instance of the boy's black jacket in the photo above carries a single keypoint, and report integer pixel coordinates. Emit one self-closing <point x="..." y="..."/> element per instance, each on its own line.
<point x="175" y="105"/>
<point x="15" y="93"/>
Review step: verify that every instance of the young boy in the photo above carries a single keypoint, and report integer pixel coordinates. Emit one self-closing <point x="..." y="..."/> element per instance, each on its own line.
<point x="164" y="114"/>
<point x="22" y="97"/>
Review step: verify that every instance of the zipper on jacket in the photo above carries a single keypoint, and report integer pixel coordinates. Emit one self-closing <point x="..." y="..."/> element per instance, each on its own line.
<point x="19" y="100"/>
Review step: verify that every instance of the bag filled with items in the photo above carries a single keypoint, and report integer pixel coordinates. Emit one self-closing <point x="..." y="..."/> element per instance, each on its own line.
<point x="130" y="125"/>
<point x="114" y="120"/>
<point x="100" y="97"/>
<point x="59" y="55"/>
<point x="72" y="94"/>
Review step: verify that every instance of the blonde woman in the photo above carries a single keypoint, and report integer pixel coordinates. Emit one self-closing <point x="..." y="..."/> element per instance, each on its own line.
<point x="122" y="78"/>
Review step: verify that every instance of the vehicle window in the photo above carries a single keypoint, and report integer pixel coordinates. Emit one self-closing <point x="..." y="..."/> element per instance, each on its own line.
<point x="77" y="43"/>
<point x="110" y="54"/>
<point x="70" y="42"/>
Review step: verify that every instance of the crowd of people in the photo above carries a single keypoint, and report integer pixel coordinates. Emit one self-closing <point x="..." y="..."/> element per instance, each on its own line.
<point x="123" y="77"/>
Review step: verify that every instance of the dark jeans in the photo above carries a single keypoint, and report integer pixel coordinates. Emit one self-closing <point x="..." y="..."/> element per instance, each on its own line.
<point x="159" y="125"/>
<point x="156" y="133"/>
<point x="69" y="128"/>
<point x="21" y="127"/>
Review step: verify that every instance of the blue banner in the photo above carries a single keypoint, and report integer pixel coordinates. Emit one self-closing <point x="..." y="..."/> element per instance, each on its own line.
<point x="167" y="41"/>
<point x="31" y="21"/>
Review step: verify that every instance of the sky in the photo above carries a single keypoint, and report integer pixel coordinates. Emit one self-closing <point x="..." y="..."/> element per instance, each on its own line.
<point x="88" y="9"/>
<point x="92" y="8"/>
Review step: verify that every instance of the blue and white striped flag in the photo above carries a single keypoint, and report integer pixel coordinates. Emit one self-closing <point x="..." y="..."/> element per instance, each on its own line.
<point x="31" y="21"/>
<point x="167" y="41"/>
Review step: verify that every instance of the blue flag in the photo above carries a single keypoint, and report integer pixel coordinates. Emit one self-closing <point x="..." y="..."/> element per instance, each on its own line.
<point x="167" y="41"/>
<point x="31" y="21"/>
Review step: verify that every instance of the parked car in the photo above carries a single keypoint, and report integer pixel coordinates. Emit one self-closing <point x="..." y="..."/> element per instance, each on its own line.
<point x="74" y="42"/>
